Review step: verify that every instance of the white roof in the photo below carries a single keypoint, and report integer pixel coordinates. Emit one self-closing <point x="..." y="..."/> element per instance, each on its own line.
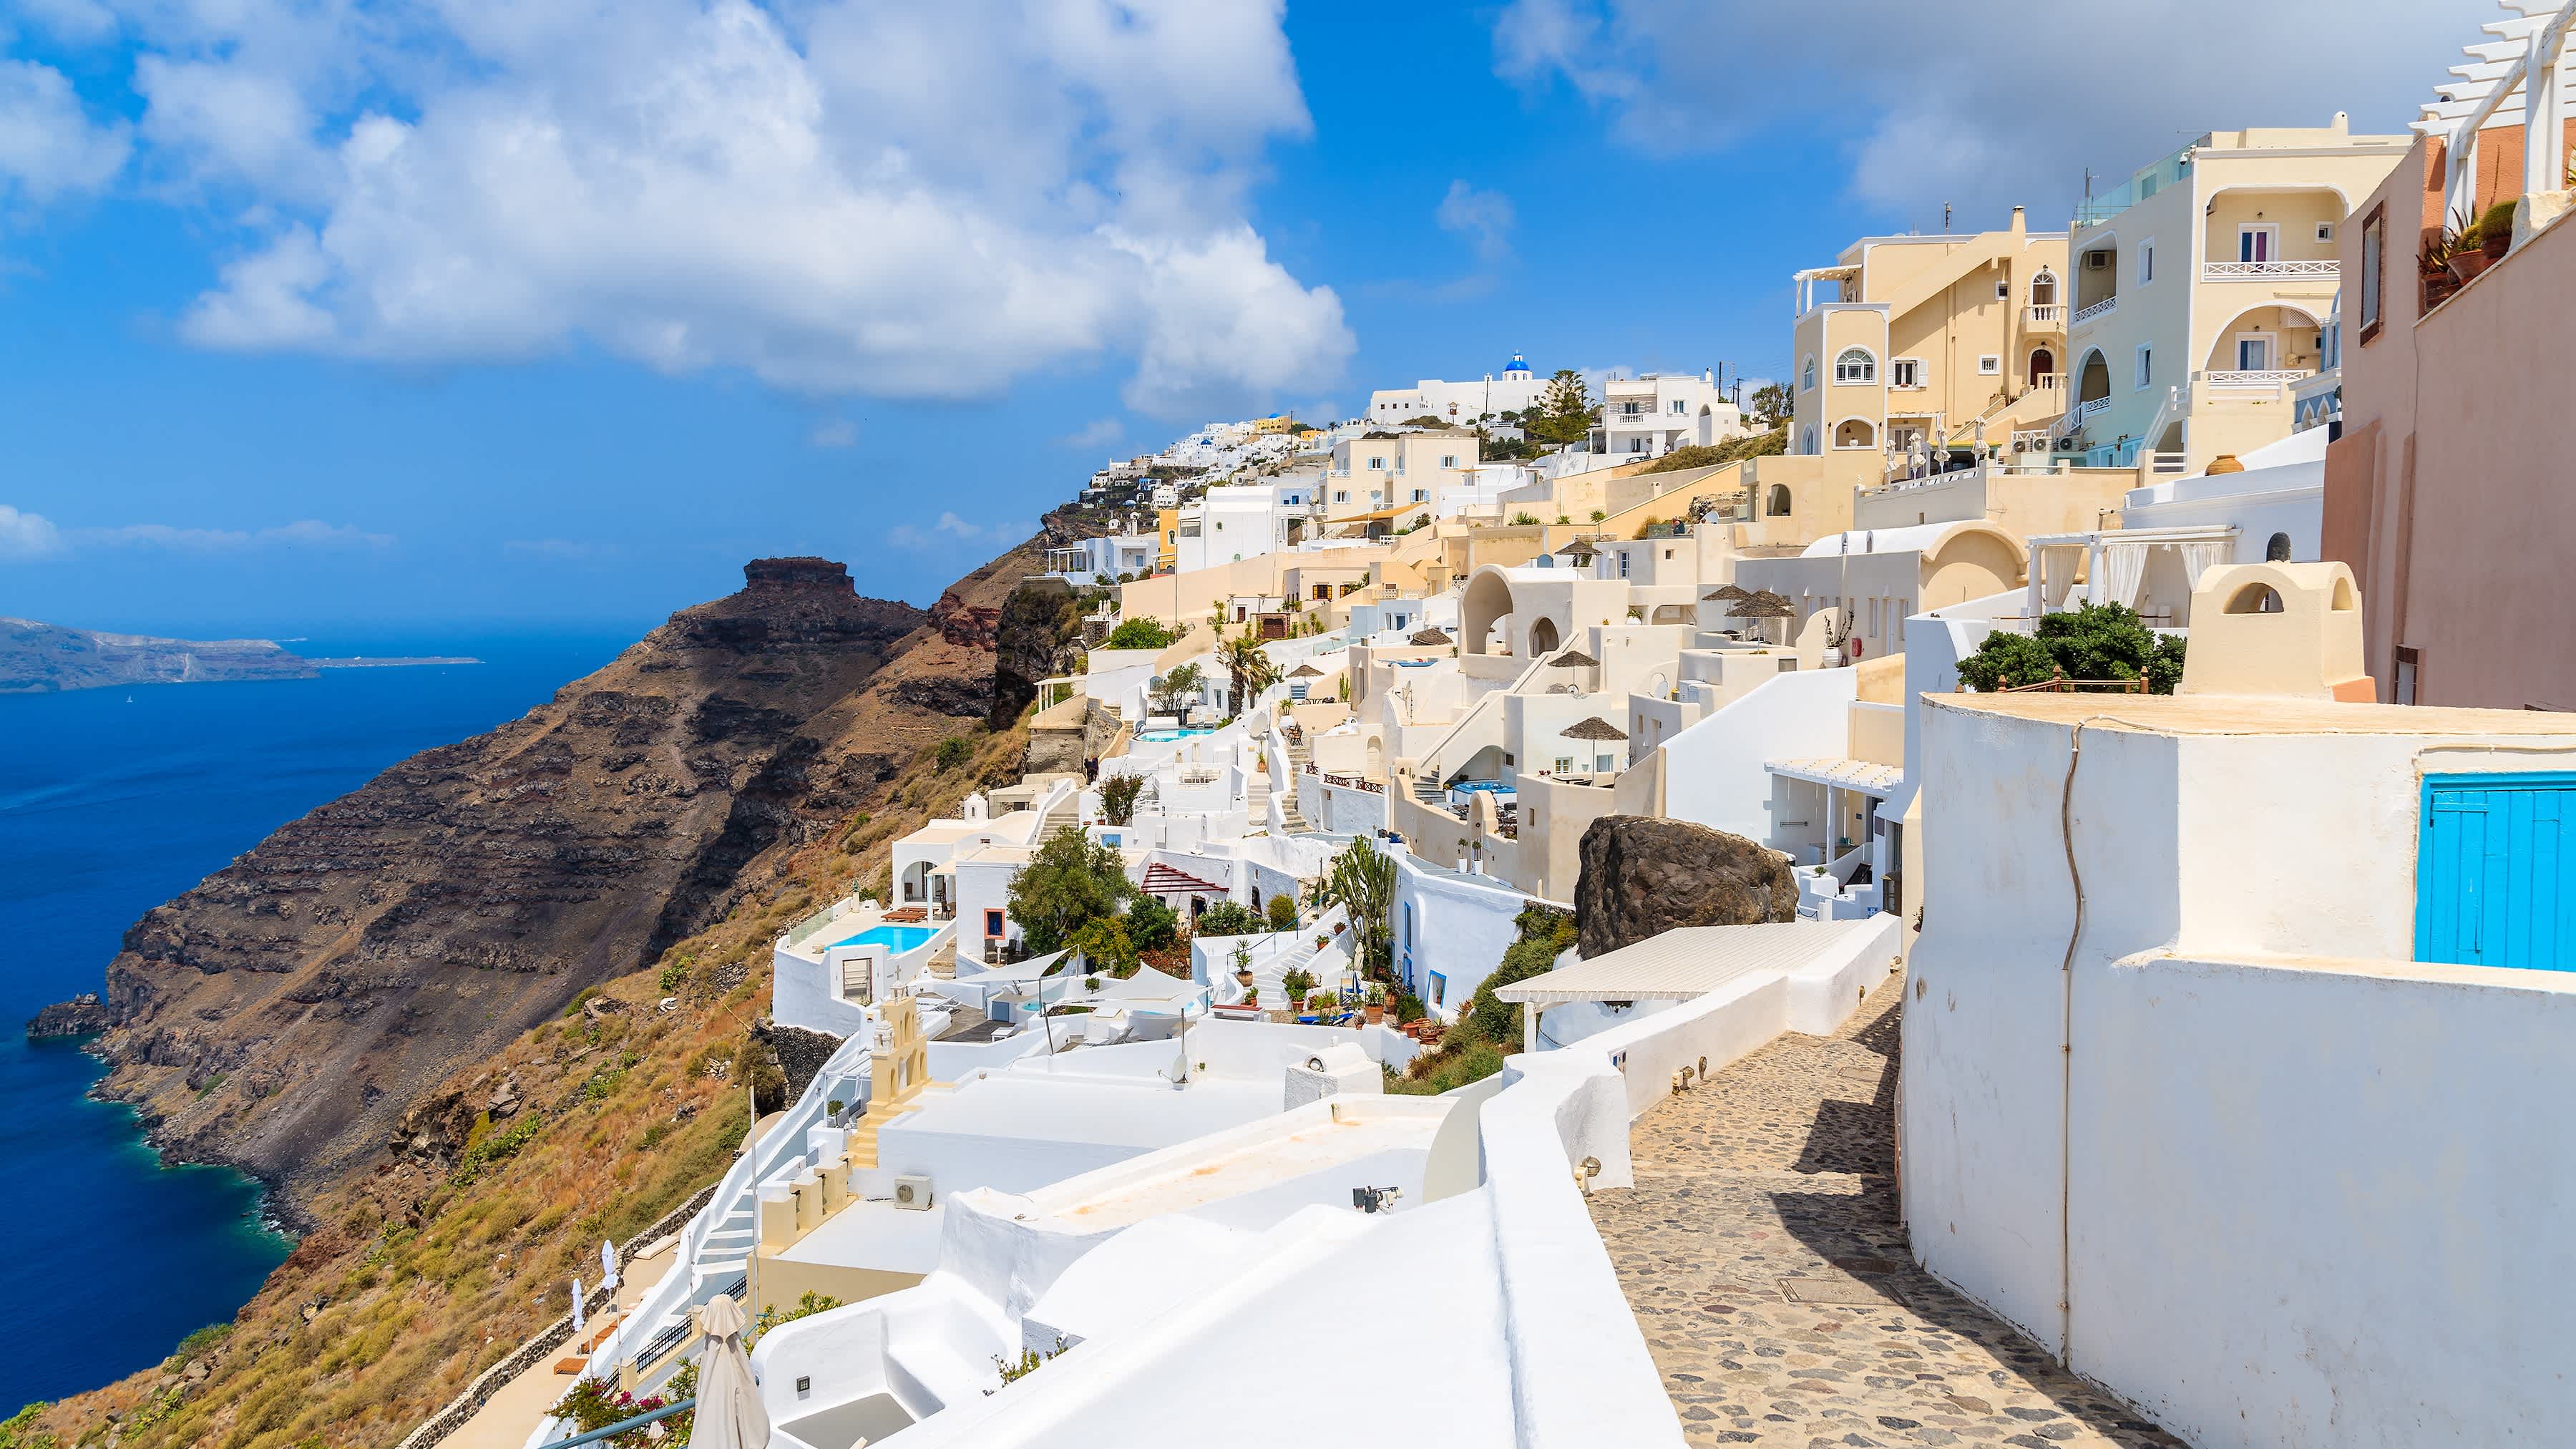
<point x="1912" y="538"/>
<point x="1691" y="961"/>
<point x="1868" y="775"/>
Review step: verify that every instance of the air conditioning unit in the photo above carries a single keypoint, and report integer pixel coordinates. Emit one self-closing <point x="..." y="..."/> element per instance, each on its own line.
<point x="2066" y="445"/>
<point x="2021" y="445"/>
<point x="2096" y="261"/>
<point x="912" y="1193"/>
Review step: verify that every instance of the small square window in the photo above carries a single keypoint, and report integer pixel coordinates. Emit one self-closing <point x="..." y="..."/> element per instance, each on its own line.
<point x="2003" y="289"/>
<point x="2325" y="231"/>
<point x="1990" y="364"/>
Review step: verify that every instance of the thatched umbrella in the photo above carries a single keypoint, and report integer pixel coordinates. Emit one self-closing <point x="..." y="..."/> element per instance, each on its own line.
<point x="1768" y="597"/>
<point x="1727" y="594"/>
<point x="1575" y="659"/>
<point x="1428" y="638"/>
<point x="1759" y="608"/>
<point x="1305" y="671"/>
<point x="1593" y="728"/>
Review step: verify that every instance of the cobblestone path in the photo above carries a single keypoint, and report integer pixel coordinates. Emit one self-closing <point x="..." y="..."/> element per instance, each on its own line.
<point x="1761" y="1251"/>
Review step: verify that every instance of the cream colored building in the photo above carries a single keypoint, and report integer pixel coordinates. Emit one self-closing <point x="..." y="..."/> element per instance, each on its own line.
<point x="2200" y="287"/>
<point x="1394" y="472"/>
<point x="1930" y="339"/>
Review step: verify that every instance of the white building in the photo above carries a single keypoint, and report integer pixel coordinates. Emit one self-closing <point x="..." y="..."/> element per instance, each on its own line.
<point x="1650" y="416"/>
<point x="1515" y="389"/>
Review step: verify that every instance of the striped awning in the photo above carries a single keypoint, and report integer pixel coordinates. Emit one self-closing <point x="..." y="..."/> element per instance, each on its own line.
<point x="1163" y="880"/>
<point x="1691" y="961"/>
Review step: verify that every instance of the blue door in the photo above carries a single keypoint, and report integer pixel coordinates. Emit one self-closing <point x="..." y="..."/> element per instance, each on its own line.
<point x="2495" y="877"/>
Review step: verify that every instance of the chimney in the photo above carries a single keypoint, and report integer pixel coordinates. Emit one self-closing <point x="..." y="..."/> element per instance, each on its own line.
<point x="2020" y="223"/>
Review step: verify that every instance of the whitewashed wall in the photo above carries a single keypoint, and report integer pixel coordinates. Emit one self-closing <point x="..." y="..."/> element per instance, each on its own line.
<point x="1713" y="770"/>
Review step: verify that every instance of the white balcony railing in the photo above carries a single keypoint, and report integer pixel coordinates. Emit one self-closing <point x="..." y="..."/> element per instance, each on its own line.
<point x="2255" y="381"/>
<point x="2091" y="407"/>
<point x="2098" y="309"/>
<point x="2268" y="271"/>
<point x="2050" y="315"/>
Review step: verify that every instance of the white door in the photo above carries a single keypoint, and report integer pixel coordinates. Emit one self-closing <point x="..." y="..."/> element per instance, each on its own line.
<point x="2254" y="352"/>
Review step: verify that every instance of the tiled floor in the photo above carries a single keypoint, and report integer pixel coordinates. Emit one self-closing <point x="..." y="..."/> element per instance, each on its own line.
<point x="1761" y="1251"/>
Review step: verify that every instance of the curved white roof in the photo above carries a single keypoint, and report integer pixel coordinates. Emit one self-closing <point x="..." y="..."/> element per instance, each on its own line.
<point x="1912" y="538"/>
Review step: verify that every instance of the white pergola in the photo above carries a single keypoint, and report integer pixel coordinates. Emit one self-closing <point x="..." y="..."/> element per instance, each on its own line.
<point x="2517" y="78"/>
<point x="2115" y="563"/>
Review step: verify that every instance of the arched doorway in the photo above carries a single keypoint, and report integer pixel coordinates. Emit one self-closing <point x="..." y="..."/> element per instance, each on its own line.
<point x="1779" y="503"/>
<point x="1543" y="638"/>
<point x="1488" y="602"/>
<point x="2043" y="366"/>
<point x="2095" y="383"/>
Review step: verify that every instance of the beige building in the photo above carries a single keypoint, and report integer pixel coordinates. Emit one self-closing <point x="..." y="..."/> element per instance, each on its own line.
<point x="2201" y="288"/>
<point x="1930" y="340"/>
<point x="1384" y="472"/>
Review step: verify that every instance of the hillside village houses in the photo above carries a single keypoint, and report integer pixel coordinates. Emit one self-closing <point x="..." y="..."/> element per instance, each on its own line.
<point x="2201" y="1002"/>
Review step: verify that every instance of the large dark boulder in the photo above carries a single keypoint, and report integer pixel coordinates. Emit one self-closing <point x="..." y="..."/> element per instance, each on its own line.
<point x="1643" y="876"/>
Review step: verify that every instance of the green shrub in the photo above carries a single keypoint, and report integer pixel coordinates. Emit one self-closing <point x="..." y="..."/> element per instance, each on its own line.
<point x="1229" y="918"/>
<point x="2092" y="641"/>
<point x="1141" y="633"/>
<point x="1152" y="925"/>
<point x="954" y="751"/>
<point x="1105" y="947"/>
<point x="1281" y="913"/>
<point x="1409" y="1009"/>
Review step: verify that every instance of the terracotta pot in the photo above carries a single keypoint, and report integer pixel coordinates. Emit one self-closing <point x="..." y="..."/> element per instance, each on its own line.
<point x="2467" y="265"/>
<point x="2496" y="246"/>
<point x="1243" y="978"/>
<point x="1376" y="1013"/>
<point x="1296" y="1003"/>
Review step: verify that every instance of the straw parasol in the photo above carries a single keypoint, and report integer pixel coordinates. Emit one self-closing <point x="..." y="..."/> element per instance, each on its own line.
<point x="729" y="1415"/>
<point x="1575" y="659"/>
<point x="1593" y="728"/>
<point x="1429" y="637"/>
<point x="1305" y="671"/>
<point x="1727" y="594"/>
<point x="1761" y="608"/>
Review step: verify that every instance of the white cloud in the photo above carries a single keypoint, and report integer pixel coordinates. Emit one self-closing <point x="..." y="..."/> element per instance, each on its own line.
<point x="951" y="531"/>
<point x="27" y="535"/>
<point x="922" y="199"/>
<point x="48" y="146"/>
<point x="305" y="533"/>
<point x="1678" y="76"/>
<point x="834" y="433"/>
<point x="81" y="22"/>
<point x="557" y="550"/>
<point x="1099" y="433"/>
<point x="1483" y="217"/>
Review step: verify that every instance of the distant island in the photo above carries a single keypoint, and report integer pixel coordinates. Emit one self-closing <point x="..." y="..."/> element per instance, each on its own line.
<point x="40" y="658"/>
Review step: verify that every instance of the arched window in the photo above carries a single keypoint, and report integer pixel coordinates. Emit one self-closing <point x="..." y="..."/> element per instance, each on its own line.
<point x="1855" y="433"/>
<point x="2278" y="549"/>
<point x="1807" y="439"/>
<point x="1779" y="505"/>
<point x="2043" y="289"/>
<point x="1807" y="377"/>
<point x="1856" y="365"/>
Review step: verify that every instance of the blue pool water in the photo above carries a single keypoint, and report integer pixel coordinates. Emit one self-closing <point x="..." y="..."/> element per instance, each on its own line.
<point x="899" y="938"/>
<point x="1480" y="786"/>
<point x="111" y="802"/>
<point x="1165" y="737"/>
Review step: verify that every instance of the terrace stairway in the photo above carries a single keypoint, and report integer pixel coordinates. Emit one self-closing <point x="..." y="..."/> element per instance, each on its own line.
<point x="1289" y="815"/>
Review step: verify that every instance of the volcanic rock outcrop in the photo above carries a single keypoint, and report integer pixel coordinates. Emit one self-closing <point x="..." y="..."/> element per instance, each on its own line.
<point x="1642" y="876"/>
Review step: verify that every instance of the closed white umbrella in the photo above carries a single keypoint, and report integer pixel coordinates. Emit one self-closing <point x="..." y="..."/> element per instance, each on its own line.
<point x="729" y="1415"/>
<point x="579" y="1320"/>
<point x="607" y="1266"/>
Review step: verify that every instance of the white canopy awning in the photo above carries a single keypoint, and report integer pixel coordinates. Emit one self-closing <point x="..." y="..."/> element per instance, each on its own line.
<point x="1869" y="777"/>
<point x="1688" y="962"/>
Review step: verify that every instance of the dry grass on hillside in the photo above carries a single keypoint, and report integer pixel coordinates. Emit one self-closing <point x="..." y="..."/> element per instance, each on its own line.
<point x="421" y="1276"/>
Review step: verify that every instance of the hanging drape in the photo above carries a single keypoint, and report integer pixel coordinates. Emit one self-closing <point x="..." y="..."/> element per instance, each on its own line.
<point x="2200" y="556"/>
<point x="2124" y="568"/>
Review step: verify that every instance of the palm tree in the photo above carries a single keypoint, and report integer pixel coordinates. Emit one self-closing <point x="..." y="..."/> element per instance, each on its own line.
<point x="1174" y="692"/>
<point x="1251" y="669"/>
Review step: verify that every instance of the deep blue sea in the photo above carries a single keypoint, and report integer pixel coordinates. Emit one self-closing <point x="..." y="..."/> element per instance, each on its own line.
<point x="111" y="802"/>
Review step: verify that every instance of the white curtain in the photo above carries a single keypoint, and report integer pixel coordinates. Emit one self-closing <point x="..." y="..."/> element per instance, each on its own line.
<point x="2200" y="556"/>
<point x="2057" y="569"/>
<point x="2124" y="567"/>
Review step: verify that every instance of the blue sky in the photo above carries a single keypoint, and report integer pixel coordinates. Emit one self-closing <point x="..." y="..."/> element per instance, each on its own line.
<point x="328" y="313"/>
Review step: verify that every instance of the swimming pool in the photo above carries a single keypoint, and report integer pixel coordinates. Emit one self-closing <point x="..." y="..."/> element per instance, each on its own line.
<point x="897" y="939"/>
<point x="1165" y="737"/>
<point x="1474" y="786"/>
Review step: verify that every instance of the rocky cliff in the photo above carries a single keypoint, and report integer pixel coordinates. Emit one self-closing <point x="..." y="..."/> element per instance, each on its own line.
<point x="1643" y="876"/>
<point x="284" y="1014"/>
<point x="40" y="658"/>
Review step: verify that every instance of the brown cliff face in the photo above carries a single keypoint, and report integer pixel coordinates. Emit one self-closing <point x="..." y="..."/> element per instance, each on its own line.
<point x="285" y="1014"/>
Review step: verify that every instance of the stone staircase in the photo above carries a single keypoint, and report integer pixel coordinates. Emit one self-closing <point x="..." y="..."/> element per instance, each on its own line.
<point x="728" y="1247"/>
<point x="1289" y="815"/>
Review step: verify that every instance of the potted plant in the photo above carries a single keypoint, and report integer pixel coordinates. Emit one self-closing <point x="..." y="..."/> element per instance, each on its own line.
<point x="1297" y="983"/>
<point x="1252" y="996"/>
<point x="1242" y="964"/>
<point x="2495" y="231"/>
<point x="1376" y="1008"/>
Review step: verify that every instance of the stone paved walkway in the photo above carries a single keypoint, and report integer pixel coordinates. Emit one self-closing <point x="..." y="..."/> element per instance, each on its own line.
<point x="1761" y="1251"/>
